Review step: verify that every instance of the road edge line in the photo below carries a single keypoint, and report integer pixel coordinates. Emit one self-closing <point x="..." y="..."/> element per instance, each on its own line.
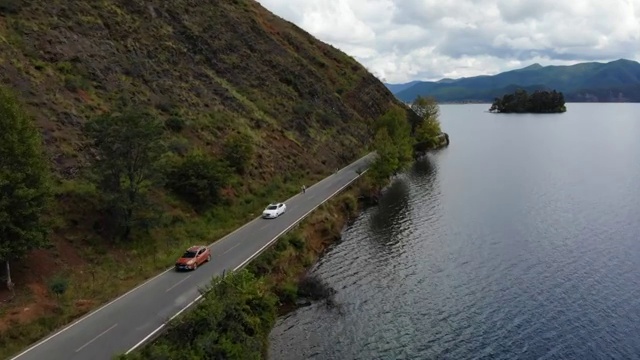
<point x="156" y="331"/>
<point x="298" y="221"/>
<point x="244" y="263"/>
<point x="90" y="314"/>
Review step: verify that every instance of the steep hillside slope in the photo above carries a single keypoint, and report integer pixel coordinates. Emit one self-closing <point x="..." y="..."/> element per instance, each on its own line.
<point x="221" y="67"/>
<point x="613" y="81"/>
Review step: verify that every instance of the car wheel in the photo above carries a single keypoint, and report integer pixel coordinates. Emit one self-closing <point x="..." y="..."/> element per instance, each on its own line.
<point x="208" y="258"/>
<point x="195" y="266"/>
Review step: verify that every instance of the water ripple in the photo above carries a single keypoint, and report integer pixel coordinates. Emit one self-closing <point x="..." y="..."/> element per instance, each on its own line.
<point x="491" y="251"/>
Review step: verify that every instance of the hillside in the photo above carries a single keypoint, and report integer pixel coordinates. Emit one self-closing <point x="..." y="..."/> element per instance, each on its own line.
<point x="214" y="68"/>
<point x="615" y="81"/>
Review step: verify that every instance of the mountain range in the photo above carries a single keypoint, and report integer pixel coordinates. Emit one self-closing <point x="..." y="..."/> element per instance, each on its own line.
<point x="615" y="81"/>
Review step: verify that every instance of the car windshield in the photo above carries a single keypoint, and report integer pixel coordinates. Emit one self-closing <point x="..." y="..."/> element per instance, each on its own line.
<point x="189" y="254"/>
<point x="271" y="207"/>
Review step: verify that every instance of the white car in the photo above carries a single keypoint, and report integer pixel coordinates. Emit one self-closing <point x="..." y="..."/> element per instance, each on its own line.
<point x="274" y="210"/>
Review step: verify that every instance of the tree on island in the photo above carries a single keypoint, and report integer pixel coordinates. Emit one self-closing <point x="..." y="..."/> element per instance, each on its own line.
<point x="538" y="102"/>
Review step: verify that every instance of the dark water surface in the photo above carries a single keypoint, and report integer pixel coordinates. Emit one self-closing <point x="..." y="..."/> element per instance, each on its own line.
<point x="519" y="241"/>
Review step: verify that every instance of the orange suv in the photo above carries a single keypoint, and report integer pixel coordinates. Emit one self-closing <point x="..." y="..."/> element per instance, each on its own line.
<point x="193" y="257"/>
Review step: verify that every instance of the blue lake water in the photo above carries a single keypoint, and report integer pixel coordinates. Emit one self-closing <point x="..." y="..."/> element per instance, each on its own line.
<point x="519" y="241"/>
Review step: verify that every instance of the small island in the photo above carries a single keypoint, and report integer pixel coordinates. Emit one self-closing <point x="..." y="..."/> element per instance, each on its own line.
<point x="538" y="102"/>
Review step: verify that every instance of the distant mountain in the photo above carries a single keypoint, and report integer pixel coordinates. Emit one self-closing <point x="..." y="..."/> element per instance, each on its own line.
<point x="615" y="81"/>
<point x="396" y="88"/>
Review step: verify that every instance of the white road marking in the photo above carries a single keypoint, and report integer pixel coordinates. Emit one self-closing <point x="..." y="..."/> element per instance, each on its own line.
<point x="178" y="283"/>
<point x="118" y="298"/>
<point x="233" y="247"/>
<point x="42" y="342"/>
<point x="141" y="342"/>
<point x="299" y="220"/>
<point x="95" y="338"/>
<point x="162" y="326"/>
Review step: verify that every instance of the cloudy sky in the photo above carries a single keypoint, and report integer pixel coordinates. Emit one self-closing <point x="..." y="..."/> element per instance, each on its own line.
<point x="403" y="40"/>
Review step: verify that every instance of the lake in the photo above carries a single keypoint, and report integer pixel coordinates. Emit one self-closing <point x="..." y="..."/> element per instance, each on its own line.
<point x="519" y="241"/>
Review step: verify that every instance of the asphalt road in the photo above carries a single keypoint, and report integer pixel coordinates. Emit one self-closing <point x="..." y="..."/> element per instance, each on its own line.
<point x="130" y="320"/>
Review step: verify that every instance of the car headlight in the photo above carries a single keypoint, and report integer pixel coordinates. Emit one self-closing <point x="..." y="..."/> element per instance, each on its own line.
<point x="190" y="262"/>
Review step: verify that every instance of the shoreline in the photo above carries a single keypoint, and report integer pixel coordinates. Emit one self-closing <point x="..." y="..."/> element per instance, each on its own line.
<point x="280" y="276"/>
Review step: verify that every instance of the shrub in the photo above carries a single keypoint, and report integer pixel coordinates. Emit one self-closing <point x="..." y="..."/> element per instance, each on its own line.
<point x="179" y="146"/>
<point x="281" y="245"/>
<point x="58" y="285"/>
<point x="198" y="179"/>
<point x="297" y="241"/>
<point x="238" y="152"/>
<point x="264" y="263"/>
<point x="287" y="293"/>
<point x="10" y="6"/>
<point x="76" y="83"/>
<point x="232" y="322"/>
<point x="175" y="124"/>
<point x="350" y="205"/>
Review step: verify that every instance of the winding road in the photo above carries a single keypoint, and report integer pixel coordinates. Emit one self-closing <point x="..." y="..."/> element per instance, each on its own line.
<point x="135" y="317"/>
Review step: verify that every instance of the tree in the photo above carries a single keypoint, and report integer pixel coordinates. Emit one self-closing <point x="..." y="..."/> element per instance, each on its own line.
<point x="128" y="148"/>
<point x="198" y="179"/>
<point x="232" y="321"/>
<point x="24" y="183"/>
<point x="395" y="122"/>
<point x="387" y="161"/>
<point x="393" y="144"/>
<point x="238" y="152"/>
<point x="428" y="131"/>
<point x="541" y="101"/>
<point x="426" y="108"/>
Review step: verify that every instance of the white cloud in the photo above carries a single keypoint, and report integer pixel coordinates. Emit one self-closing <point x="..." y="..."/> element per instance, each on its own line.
<point x="403" y="40"/>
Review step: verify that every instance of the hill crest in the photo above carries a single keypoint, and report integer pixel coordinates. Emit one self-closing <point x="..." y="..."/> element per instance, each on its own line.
<point x="614" y="81"/>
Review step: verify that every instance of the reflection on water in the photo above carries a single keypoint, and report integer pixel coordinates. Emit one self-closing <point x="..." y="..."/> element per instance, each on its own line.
<point x="388" y="218"/>
<point x="519" y="241"/>
<point x="424" y="168"/>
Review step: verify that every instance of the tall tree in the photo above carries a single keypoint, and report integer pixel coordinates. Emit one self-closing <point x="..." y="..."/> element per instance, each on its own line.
<point x="24" y="183"/>
<point x="387" y="160"/>
<point x="427" y="109"/>
<point x="393" y="144"/>
<point x="129" y="145"/>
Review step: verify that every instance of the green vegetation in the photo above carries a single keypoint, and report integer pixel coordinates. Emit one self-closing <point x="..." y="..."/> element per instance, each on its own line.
<point x="128" y="148"/>
<point x="522" y="102"/>
<point x="24" y="185"/>
<point x="398" y="139"/>
<point x="239" y="152"/>
<point x="427" y="130"/>
<point x="198" y="179"/>
<point x="238" y="311"/>
<point x="614" y="81"/>
<point x="232" y="322"/>
<point x="59" y="285"/>
<point x="220" y="130"/>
